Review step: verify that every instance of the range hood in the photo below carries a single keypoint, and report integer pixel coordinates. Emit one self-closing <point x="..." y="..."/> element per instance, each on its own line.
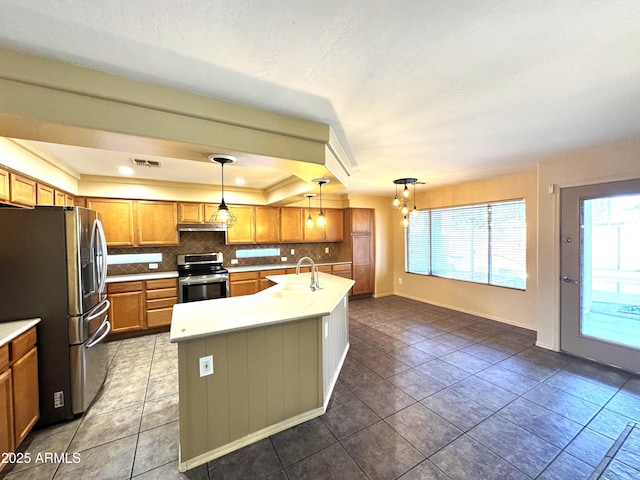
<point x="201" y="227"/>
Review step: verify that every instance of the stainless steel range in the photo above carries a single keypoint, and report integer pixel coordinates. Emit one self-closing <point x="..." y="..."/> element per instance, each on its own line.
<point x="201" y="276"/>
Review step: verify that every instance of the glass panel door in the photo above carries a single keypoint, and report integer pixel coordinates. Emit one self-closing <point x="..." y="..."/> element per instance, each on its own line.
<point x="600" y="293"/>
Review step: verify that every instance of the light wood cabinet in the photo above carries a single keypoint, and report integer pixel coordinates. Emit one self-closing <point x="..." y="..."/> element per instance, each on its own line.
<point x="358" y="247"/>
<point x="161" y="296"/>
<point x="156" y="223"/>
<point x="291" y="224"/>
<point x="190" y="213"/>
<point x="243" y="232"/>
<point x="132" y="223"/>
<point x="6" y="414"/>
<point x="19" y="400"/>
<point x="264" y="281"/>
<point x="127" y="306"/>
<point x="267" y="224"/>
<point x="22" y="190"/>
<point x="45" y="194"/>
<point x="4" y="185"/>
<point x="117" y="219"/>
<point x="312" y="234"/>
<point x="244" y="283"/>
<point x="26" y="409"/>
<point x="335" y="229"/>
<point x="59" y="198"/>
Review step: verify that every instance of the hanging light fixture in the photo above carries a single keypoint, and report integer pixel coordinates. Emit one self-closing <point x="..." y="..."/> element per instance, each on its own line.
<point x="414" y="212"/>
<point x="222" y="216"/>
<point x="309" y="221"/>
<point x="404" y="208"/>
<point x="321" y="220"/>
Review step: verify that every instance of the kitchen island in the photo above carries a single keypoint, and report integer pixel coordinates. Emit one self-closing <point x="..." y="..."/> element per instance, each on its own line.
<point x="276" y="356"/>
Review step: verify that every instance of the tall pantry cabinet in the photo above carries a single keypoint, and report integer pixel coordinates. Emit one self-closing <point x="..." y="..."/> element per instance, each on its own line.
<point x="358" y="248"/>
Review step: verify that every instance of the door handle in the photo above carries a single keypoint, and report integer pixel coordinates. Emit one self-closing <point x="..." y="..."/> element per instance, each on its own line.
<point x="566" y="279"/>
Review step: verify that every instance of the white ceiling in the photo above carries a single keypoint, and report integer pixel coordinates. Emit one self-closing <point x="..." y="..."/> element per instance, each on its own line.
<point x="444" y="91"/>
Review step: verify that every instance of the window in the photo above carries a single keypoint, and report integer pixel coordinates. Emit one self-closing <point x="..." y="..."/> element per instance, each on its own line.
<point x="478" y="243"/>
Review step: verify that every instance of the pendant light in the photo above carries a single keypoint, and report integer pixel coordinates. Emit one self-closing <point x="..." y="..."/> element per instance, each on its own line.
<point x="321" y="220"/>
<point x="309" y="221"/>
<point x="222" y="217"/>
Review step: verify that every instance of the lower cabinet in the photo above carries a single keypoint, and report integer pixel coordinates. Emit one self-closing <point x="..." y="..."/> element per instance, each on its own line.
<point x="244" y="283"/>
<point x="141" y="305"/>
<point x="19" y="407"/>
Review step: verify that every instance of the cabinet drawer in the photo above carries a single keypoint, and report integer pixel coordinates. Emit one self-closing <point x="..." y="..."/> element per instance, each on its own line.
<point x="159" y="318"/>
<point x="342" y="268"/>
<point x="268" y="273"/>
<point x="23" y="344"/>
<point x="161" y="303"/>
<point x="123" y="287"/>
<point x="324" y="268"/>
<point x="234" y="277"/>
<point x="161" y="283"/>
<point x="4" y="357"/>
<point x="162" y="293"/>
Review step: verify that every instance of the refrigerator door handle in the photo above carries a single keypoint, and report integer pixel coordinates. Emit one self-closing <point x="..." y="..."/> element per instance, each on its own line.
<point x="99" y="310"/>
<point x="103" y="256"/>
<point x="106" y="325"/>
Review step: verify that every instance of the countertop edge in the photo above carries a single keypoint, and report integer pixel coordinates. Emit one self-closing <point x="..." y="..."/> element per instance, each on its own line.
<point x="15" y="329"/>
<point x="141" y="276"/>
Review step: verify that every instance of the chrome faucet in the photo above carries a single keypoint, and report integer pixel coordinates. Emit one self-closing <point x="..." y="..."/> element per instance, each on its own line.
<point x="315" y="284"/>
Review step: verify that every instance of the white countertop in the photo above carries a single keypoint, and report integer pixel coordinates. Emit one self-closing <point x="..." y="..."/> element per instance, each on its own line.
<point x="141" y="276"/>
<point x="11" y="330"/>
<point x="253" y="268"/>
<point x="224" y="315"/>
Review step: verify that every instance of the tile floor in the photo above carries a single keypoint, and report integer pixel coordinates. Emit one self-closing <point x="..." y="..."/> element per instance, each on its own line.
<point x="425" y="393"/>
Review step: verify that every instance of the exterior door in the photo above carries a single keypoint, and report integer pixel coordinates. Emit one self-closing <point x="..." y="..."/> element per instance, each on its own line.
<point x="600" y="273"/>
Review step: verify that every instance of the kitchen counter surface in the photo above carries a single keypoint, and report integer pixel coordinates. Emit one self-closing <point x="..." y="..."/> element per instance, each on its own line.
<point x="11" y="330"/>
<point x="253" y="268"/>
<point x="141" y="276"/>
<point x="290" y="299"/>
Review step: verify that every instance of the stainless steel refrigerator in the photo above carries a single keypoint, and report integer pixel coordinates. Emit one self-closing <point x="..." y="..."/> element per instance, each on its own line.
<point x="53" y="265"/>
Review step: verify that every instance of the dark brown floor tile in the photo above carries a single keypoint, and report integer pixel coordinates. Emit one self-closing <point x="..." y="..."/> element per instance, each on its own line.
<point x="442" y="372"/>
<point x="434" y="348"/>
<point x="577" y="386"/>
<point x="332" y="463"/>
<point x="485" y="393"/>
<point x="465" y="362"/>
<point x="254" y="461"/>
<point x="423" y="429"/>
<point x="355" y="375"/>
<point x="156" y="447"/>
<point x="170" y="471"/>
<point x="590" y="447"/>
<point x="510" y="381"/>
<point x="486" y="353"/>
<point x="565" y="404"/>
<point x="347" y="414"/>
<point x="302" y="440"/>
<point x="411" y="356"/>
<point x="381" y="452"/>
<point x="424" y="471"/>
<point x="466" y="459"/>
<point x="595" y="372"/>
<point x="384" y="398"/>
<point x="519" y="447"/>
<point x="457" y="409"/>
<point x="416" y="384"/>
<point x="549" y="426"/>
<point x="384" y="365"/>
<point x="566" y="467"/>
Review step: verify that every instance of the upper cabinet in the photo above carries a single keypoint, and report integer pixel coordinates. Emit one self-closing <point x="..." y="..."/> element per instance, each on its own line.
<point x="45" y="194"/>
<point x="267" y="224"/>
<point x="334" y="231"/>
<point x="190" y="213"/>
<point x="244" y="231"/>
<point x="22" y="190"/>
<point x="129" y="223"/>
<point x="291" y="222"/>
<point x="4" y="185"/>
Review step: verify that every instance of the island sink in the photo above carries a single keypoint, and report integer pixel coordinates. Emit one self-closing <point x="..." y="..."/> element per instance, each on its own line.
<point x="277" y="355"/>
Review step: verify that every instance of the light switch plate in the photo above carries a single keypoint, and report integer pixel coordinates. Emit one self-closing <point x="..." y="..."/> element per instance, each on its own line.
<point x="153" y="266"/>
<point x="206" y="366"/>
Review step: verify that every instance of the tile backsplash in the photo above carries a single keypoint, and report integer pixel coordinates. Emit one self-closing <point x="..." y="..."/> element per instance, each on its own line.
<point x="205" y="242"/>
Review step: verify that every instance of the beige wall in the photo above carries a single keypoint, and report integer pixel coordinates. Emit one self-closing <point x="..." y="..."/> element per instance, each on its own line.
<point x="507" y="305"/>
<point x="607" y="163"/>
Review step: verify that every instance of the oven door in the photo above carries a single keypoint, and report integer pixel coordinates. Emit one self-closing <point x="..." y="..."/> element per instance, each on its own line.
<point x="194" y="288"/>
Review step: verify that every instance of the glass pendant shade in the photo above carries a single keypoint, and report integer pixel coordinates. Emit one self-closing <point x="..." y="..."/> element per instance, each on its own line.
<point x="396" y="202"/>
<point x="321" y="220"/>
<point x="222" y="217"/>
<point x="309" y="221"/>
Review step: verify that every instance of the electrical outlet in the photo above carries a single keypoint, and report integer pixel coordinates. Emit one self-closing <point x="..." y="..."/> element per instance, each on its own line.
<point x="234" y="261"/>
<point x="400" y="280"/>
<point x="283" y="259"/>
<point x="153" y="266"/>
<point x="293" y="252"/>
<point x="326" y="249"/>
<point x="206" y="366"/>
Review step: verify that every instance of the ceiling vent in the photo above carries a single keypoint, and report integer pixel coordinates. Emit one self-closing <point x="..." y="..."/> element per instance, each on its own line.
<point x="139" y="162"/>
